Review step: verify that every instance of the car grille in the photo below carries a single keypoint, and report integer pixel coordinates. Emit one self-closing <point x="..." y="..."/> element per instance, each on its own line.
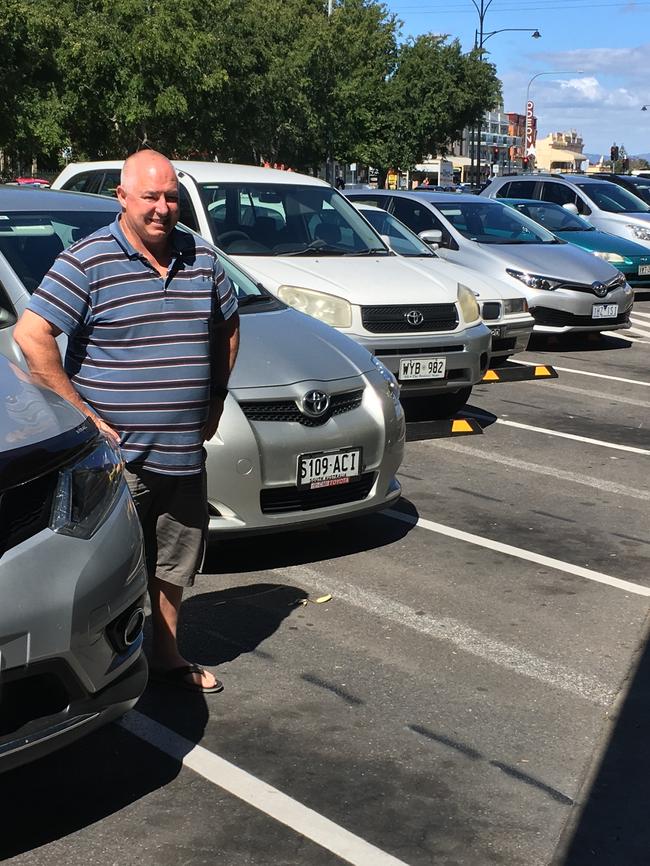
<point x="283" y="499"/>
<point x="407" y="352"/>
<point x="491" y="310"/>
<point x="612" y="284"/>
<point x="558" y="318"/>
<point x="25" y="510"/>
<point x="288" y="410"/>
<point x="502" y="344"/>
<point x="392" y="320"/>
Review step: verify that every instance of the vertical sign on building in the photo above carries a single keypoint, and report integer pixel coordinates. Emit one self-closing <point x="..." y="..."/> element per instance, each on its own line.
<point x="530" y="129"/>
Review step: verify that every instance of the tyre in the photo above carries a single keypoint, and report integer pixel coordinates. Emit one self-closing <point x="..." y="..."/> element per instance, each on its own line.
<point x="435" y="408"/>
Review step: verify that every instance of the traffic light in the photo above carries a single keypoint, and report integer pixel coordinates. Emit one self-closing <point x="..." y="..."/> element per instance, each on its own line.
<point x="524" y="163"/>
<point x="613" y="153"/>
<point x="495" y="152"/>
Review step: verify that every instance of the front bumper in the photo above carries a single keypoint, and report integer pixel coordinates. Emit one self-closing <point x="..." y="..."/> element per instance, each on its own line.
<point x="509" y="336"/>
<point x="466" y="353"/>
<point x="252" y="462"/>
<point x="564" y="311"/>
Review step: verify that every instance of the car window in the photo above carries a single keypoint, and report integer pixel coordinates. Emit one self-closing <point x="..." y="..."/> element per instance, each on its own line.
<point x="7" y="312"/>
<point x="612" y="198"/>
<point x="492" y="223"/>
<point x="517" y="189"/>
<point x="415" y="215"/>
<point x="640" y="187"/>
<point x="31" y="241"/>
<point x="286" y="219"/>
<point x="553" y="217"/>
<point x="187" y="214"/>
<point x="78" y="182"/>
<point x="558" y="193"/>
<point x="108" y="184"/>
<point x="377" y="200"/>
<point x="402" y="240"/>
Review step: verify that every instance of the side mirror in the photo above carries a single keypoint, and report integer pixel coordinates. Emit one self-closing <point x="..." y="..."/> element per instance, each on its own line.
<point x="571" y="208"/>
<point x="433" y="237"/>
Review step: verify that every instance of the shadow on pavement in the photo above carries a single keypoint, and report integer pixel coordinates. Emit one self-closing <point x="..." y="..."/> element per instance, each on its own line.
<point x="482" y="416"/>
<point x="612" y="828"/>
<point x="591" y="342"/>
<point x="302" y="546"/>
<point x="111" y="768"/>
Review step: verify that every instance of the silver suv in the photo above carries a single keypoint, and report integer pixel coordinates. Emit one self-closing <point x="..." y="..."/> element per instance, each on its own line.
<point x="72" y="575"/>
<point x="607" y="206"/>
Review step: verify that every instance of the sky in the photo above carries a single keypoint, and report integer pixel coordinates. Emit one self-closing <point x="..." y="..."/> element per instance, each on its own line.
<point x="598" y="50"/>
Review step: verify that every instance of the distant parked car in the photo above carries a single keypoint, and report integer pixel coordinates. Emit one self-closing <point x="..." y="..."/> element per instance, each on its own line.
<point x="567" y="289"/>
<point x="629" y="257"/>
<point x="636" y="184"/>
<point x="32" y="181"/>
<point x="607" y="206"/>
<point x="72" y="574"/>
<point x="503" y="307"/>
<point x="307" y="244"/>
<point x="312" y="429"/>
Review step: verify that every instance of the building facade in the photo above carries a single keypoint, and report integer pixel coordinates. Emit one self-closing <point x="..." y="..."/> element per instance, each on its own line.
<point x="560" y="152"/>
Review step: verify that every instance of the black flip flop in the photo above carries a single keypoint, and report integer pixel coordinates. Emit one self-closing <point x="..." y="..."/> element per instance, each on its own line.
<point x="177" y="677"/>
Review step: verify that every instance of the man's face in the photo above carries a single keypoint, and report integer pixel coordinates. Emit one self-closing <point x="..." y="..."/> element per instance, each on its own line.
<point x="150" y="202"/>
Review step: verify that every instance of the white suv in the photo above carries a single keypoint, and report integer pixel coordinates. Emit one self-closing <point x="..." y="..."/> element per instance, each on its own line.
<point x="309" y="246"/>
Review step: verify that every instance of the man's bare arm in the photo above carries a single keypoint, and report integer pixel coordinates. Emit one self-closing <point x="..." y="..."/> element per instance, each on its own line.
<point x="224" y="354"/>
<point x="36" y="338"/>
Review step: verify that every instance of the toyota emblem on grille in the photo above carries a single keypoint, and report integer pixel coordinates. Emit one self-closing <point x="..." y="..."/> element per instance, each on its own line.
<point x="315" y="404"/>
<point x="414" y="317"/>
<point x="599" y="289"/>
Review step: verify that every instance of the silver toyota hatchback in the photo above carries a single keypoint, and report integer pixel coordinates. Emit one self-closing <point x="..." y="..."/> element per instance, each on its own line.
<point x="312" y="429"/>
<point x="72" y="575"/>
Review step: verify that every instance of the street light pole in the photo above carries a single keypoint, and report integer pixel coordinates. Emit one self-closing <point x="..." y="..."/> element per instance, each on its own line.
<point x="480" y="38"/>
<point x="537" y="75"/>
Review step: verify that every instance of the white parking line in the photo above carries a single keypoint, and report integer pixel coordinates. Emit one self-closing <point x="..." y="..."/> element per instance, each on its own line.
<point x="553" y="471"/>
<point x="453" y="631"/>
<point x="637" y="314"/>
<point x="520" y="553"/>
<point x="620" y="335"/>
<point x="257" y="793"/>
<point x="574" y="436"/>
<point x="588" y="373"/>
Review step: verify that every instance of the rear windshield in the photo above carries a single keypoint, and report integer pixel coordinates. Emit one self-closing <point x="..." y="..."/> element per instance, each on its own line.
<point x="612" y="198"/>
<point x="286" y="220"/>
<point x="30" y="241"/>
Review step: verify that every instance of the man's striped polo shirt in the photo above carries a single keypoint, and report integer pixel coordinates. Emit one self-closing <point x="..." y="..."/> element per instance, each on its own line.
<point x="138" y="344"/>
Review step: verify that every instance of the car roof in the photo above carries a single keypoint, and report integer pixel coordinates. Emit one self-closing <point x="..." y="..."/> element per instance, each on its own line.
<point x="433" y="197"/>
<point x="30" y="198"/>
<point x="213" y="172"/>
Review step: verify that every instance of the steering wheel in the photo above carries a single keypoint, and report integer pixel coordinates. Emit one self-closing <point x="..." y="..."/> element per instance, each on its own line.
<point x="234" y="235"/>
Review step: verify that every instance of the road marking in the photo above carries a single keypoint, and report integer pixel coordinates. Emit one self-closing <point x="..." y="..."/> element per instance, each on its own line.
<point x="639" y="332"/>
<point x="562" y="474"/>
<point x="589" y="373"/>
<point x="257" y="793"/>
<point x="573" y="436"/>
<point x="601" y="395"/>
<point x="457" y="633"/>
<point x="619" y="335"/>
<point x="520" y="553"/>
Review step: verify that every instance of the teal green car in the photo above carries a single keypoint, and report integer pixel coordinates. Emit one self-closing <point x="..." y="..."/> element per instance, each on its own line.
<point x="629" y="257"/>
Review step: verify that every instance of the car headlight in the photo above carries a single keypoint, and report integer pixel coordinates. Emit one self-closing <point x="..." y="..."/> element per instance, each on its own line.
<point x="535" y="281"/>
<point x="328" y="308"/>
<point x="392" y="385"/>
<point x="511" y="306"/>
<point x="640" y="232"/>
<point x="614" y="258"/>
<point x="468" y="304"/>
<point x="87" y="491"/>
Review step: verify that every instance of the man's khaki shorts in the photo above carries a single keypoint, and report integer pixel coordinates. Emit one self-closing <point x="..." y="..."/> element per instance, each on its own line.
<point x="173" y="511"/>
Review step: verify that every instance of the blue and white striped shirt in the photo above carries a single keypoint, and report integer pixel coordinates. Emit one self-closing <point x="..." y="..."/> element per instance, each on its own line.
<point x="139" y="344"/>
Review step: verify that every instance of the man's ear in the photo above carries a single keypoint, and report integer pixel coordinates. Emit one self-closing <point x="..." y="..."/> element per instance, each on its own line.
<point x="120" y="192"/>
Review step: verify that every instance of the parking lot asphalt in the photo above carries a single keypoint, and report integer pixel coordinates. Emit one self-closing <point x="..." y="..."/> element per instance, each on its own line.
<point x="473" y="692"/>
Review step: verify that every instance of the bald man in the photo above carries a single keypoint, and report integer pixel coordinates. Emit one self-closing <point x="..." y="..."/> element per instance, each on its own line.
<point x="153" y="333"/>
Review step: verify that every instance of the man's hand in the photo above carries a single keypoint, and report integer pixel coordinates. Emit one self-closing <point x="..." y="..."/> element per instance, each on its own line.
<point x="214" y="416"/>
<point x="111" y="434"/>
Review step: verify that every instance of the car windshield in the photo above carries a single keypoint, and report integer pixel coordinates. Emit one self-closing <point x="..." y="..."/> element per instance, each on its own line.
<point x="641" y="187"/>
<point x="402" y="240"/>
<point x="30" y="241"/>
<point x="286" y="220"/>
<point x="612" y="198"/>
<point x="552" y="216"/>
<point x="493" y="223"/>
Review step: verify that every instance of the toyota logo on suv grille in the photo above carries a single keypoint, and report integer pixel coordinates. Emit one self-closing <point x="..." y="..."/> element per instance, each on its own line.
<point x="315" y="404"/>
<point x="414" y="317"/>
<point x="599" y="289"/>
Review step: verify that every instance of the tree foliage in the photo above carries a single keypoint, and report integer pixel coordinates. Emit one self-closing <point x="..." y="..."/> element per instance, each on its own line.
<point x="243" y="80"/>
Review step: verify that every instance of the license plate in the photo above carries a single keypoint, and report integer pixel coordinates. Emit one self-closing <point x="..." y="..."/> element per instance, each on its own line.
<point x="496" y="331"/>
<point x="328" y="468"/>
<point x="644" y="270"/>
<point x="422" y="368"/>
<point x="604" y="311"/>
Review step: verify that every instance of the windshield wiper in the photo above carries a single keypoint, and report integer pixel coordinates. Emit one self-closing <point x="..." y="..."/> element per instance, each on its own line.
<point x="254" y="299"/>
<point x="371" y="251"/>
<point x="315" y="247"/>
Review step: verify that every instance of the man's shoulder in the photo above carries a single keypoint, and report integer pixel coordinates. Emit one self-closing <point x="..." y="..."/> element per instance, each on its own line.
<point x="101" y="240"/>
